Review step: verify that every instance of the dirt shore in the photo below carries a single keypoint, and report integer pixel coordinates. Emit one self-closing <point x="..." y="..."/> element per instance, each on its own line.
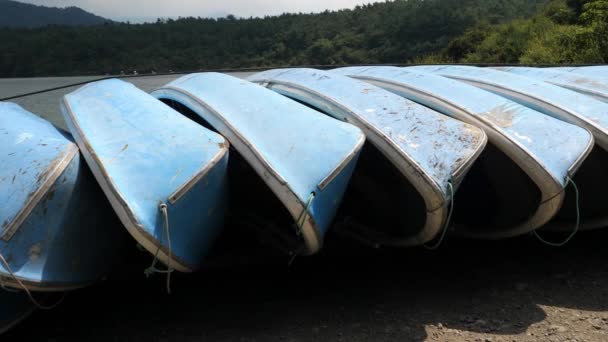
<point x="510" y="290"/>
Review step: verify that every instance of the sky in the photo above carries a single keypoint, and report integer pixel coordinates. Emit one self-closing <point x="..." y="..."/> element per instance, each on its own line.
<point x="149" y="10"/>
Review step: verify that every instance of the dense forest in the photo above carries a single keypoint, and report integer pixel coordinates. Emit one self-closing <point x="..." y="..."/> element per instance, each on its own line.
<point x="388" y="32"/>
<point x="18" y="14"/>
<point x="400" y="31"/>
<point x="562" y="32"/>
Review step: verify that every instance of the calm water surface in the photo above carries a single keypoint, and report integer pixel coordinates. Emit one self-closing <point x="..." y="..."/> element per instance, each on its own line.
<point x="46" y="105"/>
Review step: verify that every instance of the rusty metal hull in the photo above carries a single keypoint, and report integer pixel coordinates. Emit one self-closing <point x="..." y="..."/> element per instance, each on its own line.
<point x="527" y="147"/>
<point x="593" y="86"/>
<point x="305" y="158"/>
<point x="146" y="156"/>
<point x="563" y="104"/>
<point x="57" y="228"/>
<point x="429" y="149"/>
<point x="14" y="308"/>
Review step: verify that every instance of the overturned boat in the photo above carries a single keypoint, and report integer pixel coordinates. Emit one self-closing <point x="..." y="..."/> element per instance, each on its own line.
<point x="562" y="104"/>
<point x="58" y="232"/>
<point x="413" y="162"/>
<point x="164" y="175"/>
<point x="584" y="84"/>
<point x="295" y="163"/>
<point x="599" y="71"/>
<point x="14" y="308"/>
<point x="517" y="184"/>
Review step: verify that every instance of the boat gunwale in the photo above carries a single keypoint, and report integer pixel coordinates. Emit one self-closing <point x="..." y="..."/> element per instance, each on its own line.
<point x="552" y="193"/>
<point x="8" y="280"/>
<point x="436" y="214"/>
<point x="117" y="200"/>
<point x="69" y="153"/>
<point x="586" y="88"/>
<point x="183" y="189"/>
<point x="572" y="117"/>
<point x="309" y="230"/>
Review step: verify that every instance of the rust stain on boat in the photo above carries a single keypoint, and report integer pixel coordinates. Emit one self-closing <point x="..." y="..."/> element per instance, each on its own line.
<point x="34" y="252"/>
<point x="502" y="116"/>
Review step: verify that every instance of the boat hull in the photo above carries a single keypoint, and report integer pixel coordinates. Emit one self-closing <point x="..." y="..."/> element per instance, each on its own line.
<point x="146" y="156"/>
<point x="565" y="105"/>
<point x="409" y="141"/>
<point x="524" y="146"/>
<point x="62" y="235"/>
<point x="304" y="158"/>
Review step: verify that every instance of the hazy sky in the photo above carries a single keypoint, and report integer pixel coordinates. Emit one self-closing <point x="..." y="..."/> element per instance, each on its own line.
<point x="136" y="10"/>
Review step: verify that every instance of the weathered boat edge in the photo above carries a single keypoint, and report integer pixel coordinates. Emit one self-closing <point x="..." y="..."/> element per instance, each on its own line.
<point x="150" y="243"/>
<point x="52" y="175"/>
<point x="436" y="212"/>
<point x="577" y="120"/>
<point x="279" y="186"/>
<point x="552" y="198"/>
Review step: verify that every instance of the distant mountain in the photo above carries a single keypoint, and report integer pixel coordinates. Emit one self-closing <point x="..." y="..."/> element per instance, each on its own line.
<point x="17" y="14"/>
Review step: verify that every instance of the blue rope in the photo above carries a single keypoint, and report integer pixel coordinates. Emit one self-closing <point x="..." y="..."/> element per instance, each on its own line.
<point x="447" y="221"/>
<point x="576" y="226"/>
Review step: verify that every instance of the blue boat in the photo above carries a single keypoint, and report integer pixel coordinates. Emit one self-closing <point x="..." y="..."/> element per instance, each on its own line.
<point x="296" y="164"/>
<point x="401" y="186"/>
<point x="164" y="175"/>
<point x="518" y="183"/>
<point x="14" y="308"/>
<point x="584" y="84"/>
<point x="57" y="230"/>
<point x="562" y="104"/>
<point x="596" y="71"/>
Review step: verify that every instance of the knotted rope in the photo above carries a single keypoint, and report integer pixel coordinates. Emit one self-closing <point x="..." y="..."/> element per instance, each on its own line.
<point x="300" y="224"/>
<point x="152" y="269"/>
<point x="25" y="289"/>
<point x="576" y="225"/>
<point x="447" y="221"/>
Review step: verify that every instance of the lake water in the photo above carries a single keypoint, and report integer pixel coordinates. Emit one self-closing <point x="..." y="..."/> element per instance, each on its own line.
<point x="46" y="104"/>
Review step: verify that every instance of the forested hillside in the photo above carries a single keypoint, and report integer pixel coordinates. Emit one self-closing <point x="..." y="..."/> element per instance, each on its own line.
<point x="563" y="32"/>
<point x="17" y="14"/>
<point x="391" y="32"/>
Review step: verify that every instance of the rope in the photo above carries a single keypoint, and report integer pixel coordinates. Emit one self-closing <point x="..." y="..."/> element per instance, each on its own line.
<point x="26" y="290"/>
<point x="152" y="269"/>
<point x="299" y="225"/>
<point x="576" y="226"/>
<point x="294" y="256"/>
<point x="302" y="218"/>
<point x="447" y="221"/>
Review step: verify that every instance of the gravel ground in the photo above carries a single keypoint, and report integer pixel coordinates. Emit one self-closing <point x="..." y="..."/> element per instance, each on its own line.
<point x="510" y="290"/>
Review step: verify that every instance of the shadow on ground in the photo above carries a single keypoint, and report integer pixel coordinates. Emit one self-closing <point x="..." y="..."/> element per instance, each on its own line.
<point x="348" y="293"/>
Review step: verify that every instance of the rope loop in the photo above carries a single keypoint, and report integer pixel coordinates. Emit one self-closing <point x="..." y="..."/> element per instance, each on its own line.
<point x="153" y="269"/>
<point x="302" y="218"/>
<point x="446" y="225"/>
<point x="25" y="289"/>
<point x="300" y="225"/>
<point x="576" y="225"/>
